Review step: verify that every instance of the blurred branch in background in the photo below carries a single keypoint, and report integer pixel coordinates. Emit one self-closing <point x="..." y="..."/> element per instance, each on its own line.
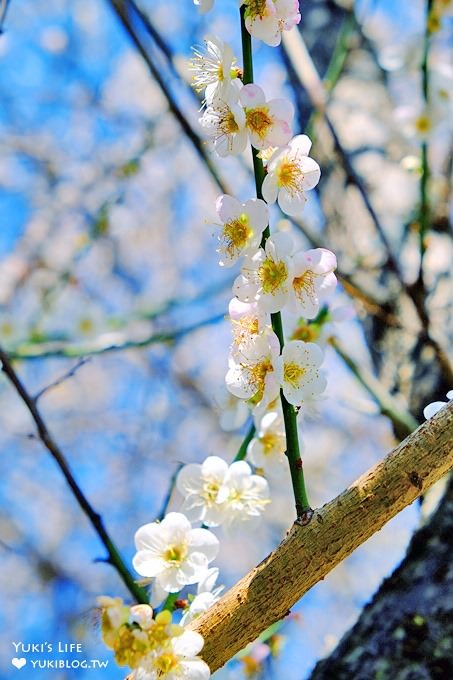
<point x="114" y="557"/>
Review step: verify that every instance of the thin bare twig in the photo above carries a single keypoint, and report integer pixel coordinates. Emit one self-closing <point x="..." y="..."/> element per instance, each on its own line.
<point x="114" y="557"/>
<point x="61" y="379"/>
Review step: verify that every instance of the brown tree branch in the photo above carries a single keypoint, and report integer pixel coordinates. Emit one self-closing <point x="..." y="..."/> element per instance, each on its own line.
<point x="308" y="553"/>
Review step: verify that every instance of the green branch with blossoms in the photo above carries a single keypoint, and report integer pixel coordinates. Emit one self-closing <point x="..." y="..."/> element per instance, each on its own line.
<point x="274" y="380"/>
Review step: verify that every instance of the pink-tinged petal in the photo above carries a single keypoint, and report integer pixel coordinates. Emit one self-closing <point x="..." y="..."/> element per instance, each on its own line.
<point x="258" y="213"/>
<point x="228" y="208"/>
<point x="270" y="188"/>
<point x="300" y="145"/>
<point x="291" y="205"/>
<point x="252" y="96"/>
<point x="279" y="135"/>
<point x="327" y="285"/>
<point x="282" y="109"/>
<point x="311" y="172"/>
<point x="204" y="541"/>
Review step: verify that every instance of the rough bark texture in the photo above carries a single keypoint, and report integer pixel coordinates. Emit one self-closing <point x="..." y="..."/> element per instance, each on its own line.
<point x="406" y="632"/>
<point x="309" y="552"/>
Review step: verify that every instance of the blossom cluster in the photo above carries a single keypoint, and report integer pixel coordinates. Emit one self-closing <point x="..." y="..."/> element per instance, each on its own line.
<point x="177" y="552"/>
<point x="264" y="19"/>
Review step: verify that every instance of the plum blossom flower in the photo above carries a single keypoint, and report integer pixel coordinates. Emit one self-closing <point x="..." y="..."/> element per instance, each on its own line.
<point x="199" y="485"/>
<point x="214" y="70"/>
<point x="251" y="374"/>
<point x="267" y="449"/>
<point x="245" y="496"/>
<point x="313" y="281"/>
<point x="435" y="406"/>
<point x="267" y="274"/>
<point x="266" y="19"/>
<point x="290" y="173"/>
<point x="298" y="371"/>
<point x="248" y="321"/>
<point x="268" y="123"/>
<point x="206" y="596"/>
<point x="176" y="660"/>
<point x="173" y="553"/>
<point x="224" y="122"/>
<point x="243" y="224"/>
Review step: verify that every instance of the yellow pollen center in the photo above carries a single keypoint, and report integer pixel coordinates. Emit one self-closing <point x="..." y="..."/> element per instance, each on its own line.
<point x="292" y="373"/>
<point x="211" y="490"/>
<point x="236" y="234"/>
<point x="175" y="554"/>
<point x="423" y="124"/>
<point x="290" y="177"/>
<point x="229" y="125"/>
<point x="272" y="275"/>
<point x="258" y="121"/>
<point x="269" y="441"/>
<point x="86" y="325"/>
<point x="165" y="663"/>
<point x="6" y="329"/>
<point x="304" y="286"/>
<point x="257" y="376"/>
<point x="256" y="8"/>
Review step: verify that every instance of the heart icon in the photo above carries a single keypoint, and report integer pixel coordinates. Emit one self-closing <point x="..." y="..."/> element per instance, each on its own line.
<point x="19" y="663"/>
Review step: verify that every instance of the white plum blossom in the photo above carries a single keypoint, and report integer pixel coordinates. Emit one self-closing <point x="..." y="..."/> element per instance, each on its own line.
<point x="173" y="553"/>
<point x="204" y="5"/>
<point x="232" y="412"/>
<point x="244" y="495"/>
<point x="199" y="485"/>
<point x="214" y="70"/>
<point x="313" y="281"/>
<point x="435" y="406"/>
<point x="266" y="275"/>
<point x="290" y="173"/>
<point x="267" y="449"/>
<point x="251" y="374"/>
<point x="248" y="321"/>
<point x="268" y="123"/>
<point x="242" y="227"/>
<point x="206" y="596"/>
<point x="299" y="373"/>
<point x="266" y="19"/>
<point x="224" y="121"/>
<point x="177" y="660"/>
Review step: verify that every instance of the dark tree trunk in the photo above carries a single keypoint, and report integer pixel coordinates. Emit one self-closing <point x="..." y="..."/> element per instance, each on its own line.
<point x="406" y="631"/>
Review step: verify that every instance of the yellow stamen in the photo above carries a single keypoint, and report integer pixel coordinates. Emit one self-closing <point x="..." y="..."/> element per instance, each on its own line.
<point x="290" y="177"/>
<point x="235" y="235"/>
<point x="272" y="275"/>
<point x="292" y="373"/>
<point x="304" y="286"/>
<point x="259" y="121"/>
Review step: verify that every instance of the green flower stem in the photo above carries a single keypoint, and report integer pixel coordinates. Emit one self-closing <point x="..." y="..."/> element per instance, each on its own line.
<point x="303" y="508"/>
<point x="242" y="451"/>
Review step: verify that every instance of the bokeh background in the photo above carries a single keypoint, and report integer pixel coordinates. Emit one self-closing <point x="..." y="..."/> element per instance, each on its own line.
<point x="107" y="253"/>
